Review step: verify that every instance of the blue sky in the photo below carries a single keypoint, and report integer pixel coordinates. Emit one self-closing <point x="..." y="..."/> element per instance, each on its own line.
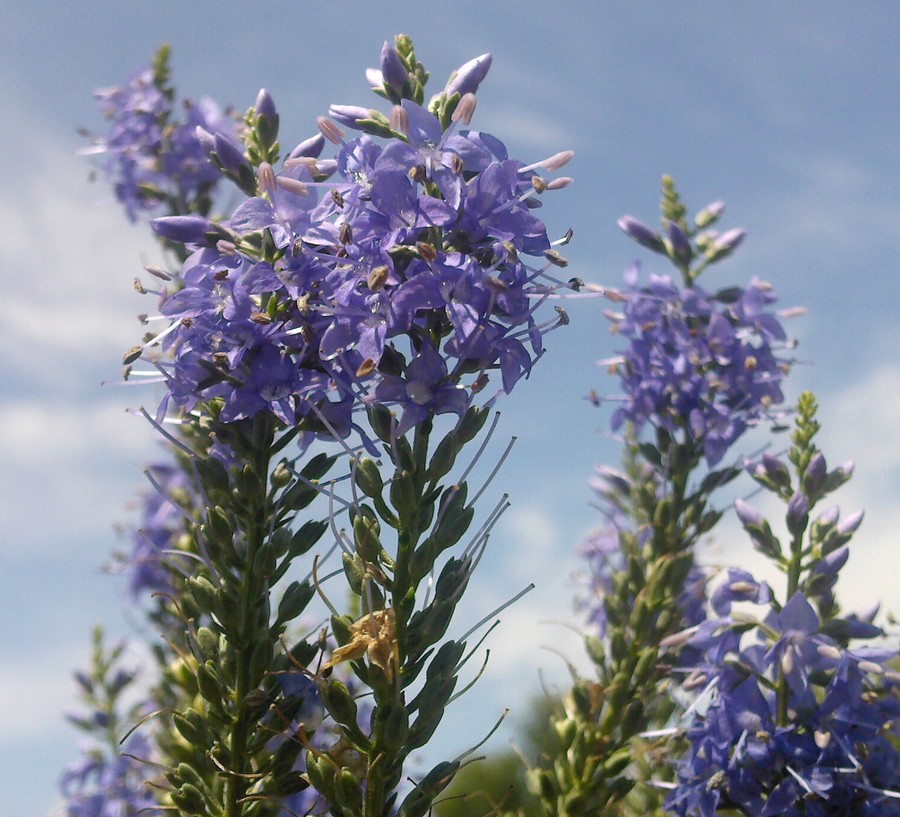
<point x="789" y="112"/>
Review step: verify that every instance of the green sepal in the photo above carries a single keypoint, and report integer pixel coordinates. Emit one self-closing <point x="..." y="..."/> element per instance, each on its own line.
<point x="418" y="802"/>
<point x="212" y="473"/>
<point x="381" y="421"/>
<point x="472" y="422"/>
<point x="207" y="643"/>
<point x="192" y="727"/>
<point x="294" y="601"/>
<point x="208" y="683"/>
<point x="366" y="534"/>
<point x="348" y="791"/>
<point x="368" y="478"/>
<point x="189" y="799"/>
<point x="343" y="709"/>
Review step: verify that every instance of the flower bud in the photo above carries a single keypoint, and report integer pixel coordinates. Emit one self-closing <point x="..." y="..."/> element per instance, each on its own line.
<point x="349" y="115"/>
<point x="310" y="148"/>
<point x="639" y="232"/>
<point x="681" y="247"/>
<point x="229" y="155"/>
<point x="797" y="513"/>
<point x="393" y="72"/>
<point x="183" y="229"/>
<point x="469" y="76"/>
<point x="748" y="515"/>
<point x="851" y="523"/>
<point x="265" y="106"/>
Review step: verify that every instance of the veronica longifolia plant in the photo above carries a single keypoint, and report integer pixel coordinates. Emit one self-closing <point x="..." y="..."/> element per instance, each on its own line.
<point x="794" y="713"/>
<point x="346" y="302"/>
<point x="698" y="369"/>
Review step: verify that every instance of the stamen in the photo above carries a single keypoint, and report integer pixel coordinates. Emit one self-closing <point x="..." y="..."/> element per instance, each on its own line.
<point x="329" y="130"/>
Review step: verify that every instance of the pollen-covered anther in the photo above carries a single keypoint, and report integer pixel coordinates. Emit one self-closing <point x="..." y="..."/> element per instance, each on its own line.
<point x="220" y="358"/>
<point x="303" y="304"/>
<point x="563" y="319"/>
<point x="538" y="183"/>
<point x="376" y="278"/>
<point x="822" y="739"/>
<point x="495" y="283"/>
<point x="187" y="323"/>
<point x="139" y="287"/>
<point x="132" y="355"/>
<point x="337" y="198"/>
<point x="555" y="258"/>
<point x="479" y="383"/>
<point x="417" y="174"/>
<point x="345" y="233"/>
<point x="221" y="275"/>
<point x="366" y="368"/>
<point x="426" y="251"/>
<point x="750" y="363"/>
<point x="143" y="318"/>
<point x="226" y="247"/>
<point x="261" y="318"/>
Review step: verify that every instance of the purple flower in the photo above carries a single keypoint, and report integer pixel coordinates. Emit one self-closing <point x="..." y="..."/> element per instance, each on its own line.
<point x="696" y="363"/>
<point x="413" y="249"/>
<point x="157" y="162"/>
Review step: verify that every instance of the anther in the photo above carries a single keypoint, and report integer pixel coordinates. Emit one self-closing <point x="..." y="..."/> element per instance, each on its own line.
<point x="132" y="355"/>
<point x="377" y="277"/>
<point x="538" y="184"/>
<point x="139" y="287"/>
<point x="337" y="198"/>
<point x="366" y="368"/>
<point x="399" y="120"/>
<point x="345" y="233"/>
<point x="329" y="130"/>
<point x="417" y="174"/>
<point x="294" y="186"/>
<point x="261" y="318"/>
<point x="464" y="109"/>
<point x="555" y="258"/>
<point x="426" y="251"/>
<point x="158" y="273"/>
<point x="265" y="178"/>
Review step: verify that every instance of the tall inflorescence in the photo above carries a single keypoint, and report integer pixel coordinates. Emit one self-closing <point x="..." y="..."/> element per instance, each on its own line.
<point x="345" y="302"/>
<point x="793" y="712"/>
<point x="697" y="370"/>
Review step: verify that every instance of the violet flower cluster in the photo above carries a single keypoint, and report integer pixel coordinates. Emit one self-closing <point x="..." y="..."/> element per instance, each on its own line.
<point x="707" y="365"/>
<point x="155" y="158"/>
<point x="384" y="275"/>
<point x="790" y="722"/>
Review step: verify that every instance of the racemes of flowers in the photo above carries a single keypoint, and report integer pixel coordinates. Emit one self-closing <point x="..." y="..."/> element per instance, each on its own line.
<point x="698" y="364"/>
<point x="795" y="714"/>
<point x="698" y="370"/>
<point x="158" y="162"/>
<point x="371" y="290"/>
<point x="393" y="273"/>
